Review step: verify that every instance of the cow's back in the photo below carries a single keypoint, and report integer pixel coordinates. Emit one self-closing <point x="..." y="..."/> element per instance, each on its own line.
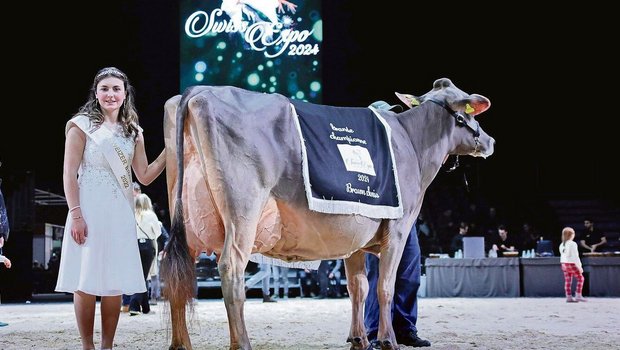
<point x="252" y="132"/>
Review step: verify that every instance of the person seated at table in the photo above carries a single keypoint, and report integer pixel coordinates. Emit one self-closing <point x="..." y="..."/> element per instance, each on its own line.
<point x="503" y="243"/>
<point x="457" y="240"/>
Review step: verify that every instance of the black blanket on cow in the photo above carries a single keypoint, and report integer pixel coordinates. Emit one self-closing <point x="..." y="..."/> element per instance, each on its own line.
<point x="348" y="162"/>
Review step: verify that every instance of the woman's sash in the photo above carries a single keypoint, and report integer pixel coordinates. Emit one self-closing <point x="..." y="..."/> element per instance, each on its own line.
<point x="121" y="167"/>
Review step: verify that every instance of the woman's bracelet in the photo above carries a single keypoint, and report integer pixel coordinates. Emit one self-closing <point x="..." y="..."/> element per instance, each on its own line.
<point x="72" y="209"/>
<point x="76" y="217"/>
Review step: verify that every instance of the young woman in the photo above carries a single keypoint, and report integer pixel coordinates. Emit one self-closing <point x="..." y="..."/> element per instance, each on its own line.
<point x="100" y="257"/>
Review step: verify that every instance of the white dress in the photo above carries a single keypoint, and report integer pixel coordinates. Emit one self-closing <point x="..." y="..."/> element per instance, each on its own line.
<point x="109" y="262"/>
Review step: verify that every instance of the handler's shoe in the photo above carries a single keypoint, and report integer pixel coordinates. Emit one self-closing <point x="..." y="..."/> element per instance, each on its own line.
<point x="411" y="339"/>
<point x="570" y="299"/>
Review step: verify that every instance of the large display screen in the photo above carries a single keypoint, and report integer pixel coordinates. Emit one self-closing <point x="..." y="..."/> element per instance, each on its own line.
<point x="259" y="45"/>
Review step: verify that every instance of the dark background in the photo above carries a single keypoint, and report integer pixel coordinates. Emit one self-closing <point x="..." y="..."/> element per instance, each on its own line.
<point x="548" y="73"/>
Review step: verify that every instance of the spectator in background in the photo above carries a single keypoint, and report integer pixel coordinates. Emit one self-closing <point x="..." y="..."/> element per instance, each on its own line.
<point x="503" y="243"/>
<point x="457" y="240"/>
<point x="4" y="228"/>
<point x="263" y="275"/>
<point x="155" y="287"/>
<point x="126" y="299"/>
<point x="280" y="275"/>
<point x="445" y="228"/>
<point x="529" y="236"/>
<point x="591" y="240"/>
<point x="490" y="221"/>
<point x="426" y="237"/>
<point x="4" y="232"/>
<point x="149" y="228"/>
<point x="308" y="283"/>
<point x="3" y="259"/>
<point x="329" y="270"/>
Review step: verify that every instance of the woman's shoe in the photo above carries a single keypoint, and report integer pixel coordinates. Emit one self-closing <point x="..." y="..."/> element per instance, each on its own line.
<point x="570" y="299"/>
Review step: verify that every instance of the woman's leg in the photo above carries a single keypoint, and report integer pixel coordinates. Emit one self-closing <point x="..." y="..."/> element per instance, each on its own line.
<point x="84" y="307"/>
<point x="109" y="320"/>
<point x="139" y="302"/>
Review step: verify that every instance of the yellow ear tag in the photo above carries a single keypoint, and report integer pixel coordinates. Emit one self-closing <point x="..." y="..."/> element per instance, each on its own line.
<point x="468" y="109"/>
<point x="414" y="101"/>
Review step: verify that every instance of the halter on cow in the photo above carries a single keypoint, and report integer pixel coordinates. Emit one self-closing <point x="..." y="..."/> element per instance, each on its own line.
<point x="235" y="184"/>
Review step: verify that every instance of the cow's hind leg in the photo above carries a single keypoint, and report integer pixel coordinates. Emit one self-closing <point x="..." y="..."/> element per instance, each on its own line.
<point x="180" y="334"/>
<point x="231" y="265"/>
<point x="357" y="285"/>
<point x="178" y="271"/>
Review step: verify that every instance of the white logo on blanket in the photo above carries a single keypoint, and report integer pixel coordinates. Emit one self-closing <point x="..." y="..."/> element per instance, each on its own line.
<point x="357" y="159"/>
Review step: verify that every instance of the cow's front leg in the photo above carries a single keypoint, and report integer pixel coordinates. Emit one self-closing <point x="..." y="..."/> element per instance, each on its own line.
<point x="357" y="285"/>
<point x="388" y="265"/>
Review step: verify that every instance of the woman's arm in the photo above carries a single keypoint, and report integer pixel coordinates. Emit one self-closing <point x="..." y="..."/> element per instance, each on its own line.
<point x="74" y="151"/>
<point x="145" y="172"/>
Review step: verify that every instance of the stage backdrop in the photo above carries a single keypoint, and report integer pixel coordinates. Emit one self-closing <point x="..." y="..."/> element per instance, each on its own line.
<point x="259" y="45"/>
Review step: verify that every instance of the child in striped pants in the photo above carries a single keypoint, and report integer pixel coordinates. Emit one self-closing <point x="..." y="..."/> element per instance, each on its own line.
<point x="571" y="265"/>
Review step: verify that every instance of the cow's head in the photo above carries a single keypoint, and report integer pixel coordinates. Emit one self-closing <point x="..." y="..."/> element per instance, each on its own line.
<point x="463" y="107"/>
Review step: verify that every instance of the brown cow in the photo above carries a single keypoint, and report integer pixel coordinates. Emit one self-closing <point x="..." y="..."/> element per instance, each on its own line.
<point x="235" y="183"/>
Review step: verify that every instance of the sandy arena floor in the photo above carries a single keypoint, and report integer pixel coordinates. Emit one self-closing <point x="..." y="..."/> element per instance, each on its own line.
<point x="449" y="323"/>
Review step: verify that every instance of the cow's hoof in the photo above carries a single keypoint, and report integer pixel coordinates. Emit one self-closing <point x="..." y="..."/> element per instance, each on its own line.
<point x="387" y="345"/>
<point x="177" y="348"/>
<point x="356" y="343"/>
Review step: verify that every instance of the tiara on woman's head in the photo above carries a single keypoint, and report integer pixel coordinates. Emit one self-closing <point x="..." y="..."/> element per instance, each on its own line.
<point x="110" y="71"/>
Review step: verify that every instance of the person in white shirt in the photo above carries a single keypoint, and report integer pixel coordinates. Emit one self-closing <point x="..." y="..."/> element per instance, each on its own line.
<point x="571" y="265"/>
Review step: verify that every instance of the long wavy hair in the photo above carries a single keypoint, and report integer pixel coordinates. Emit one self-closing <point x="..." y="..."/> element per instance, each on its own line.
<point x="143" y="204"/>
<point x="128" y="115"/>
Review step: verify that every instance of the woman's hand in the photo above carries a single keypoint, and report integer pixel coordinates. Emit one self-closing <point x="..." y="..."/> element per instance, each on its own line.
<point x="79" y="231"/>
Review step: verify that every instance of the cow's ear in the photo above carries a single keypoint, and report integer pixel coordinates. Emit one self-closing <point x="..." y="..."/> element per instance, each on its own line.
<point x="473" y="105"/>
<point x="409" y="100"/>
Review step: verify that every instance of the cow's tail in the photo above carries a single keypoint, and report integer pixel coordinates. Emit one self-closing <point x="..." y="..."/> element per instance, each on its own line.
<point x="178" y="265"/>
